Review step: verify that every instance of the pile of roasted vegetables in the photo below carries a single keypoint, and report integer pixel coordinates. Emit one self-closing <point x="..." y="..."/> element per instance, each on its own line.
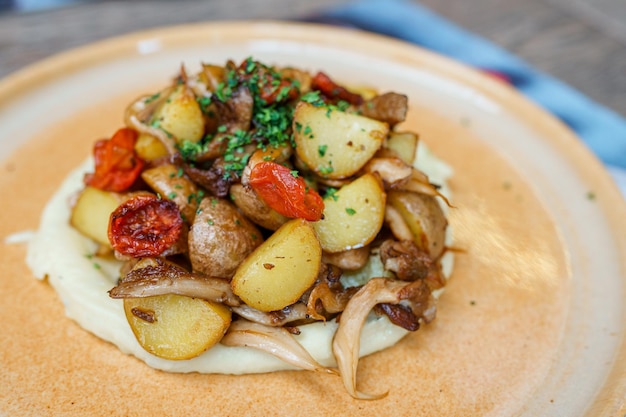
<point x="238" y="196"/>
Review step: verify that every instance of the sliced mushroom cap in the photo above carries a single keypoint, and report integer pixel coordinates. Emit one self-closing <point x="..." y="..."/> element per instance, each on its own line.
<point x="277" y="341"/>
<point x="155" y="276"/>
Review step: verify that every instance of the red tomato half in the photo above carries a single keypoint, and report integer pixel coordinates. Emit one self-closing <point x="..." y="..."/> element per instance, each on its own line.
<point x="145" y="226"/>
<point x="284" y="192"/>
<point x="331" y="89"/>
<point x="117" y="163"/>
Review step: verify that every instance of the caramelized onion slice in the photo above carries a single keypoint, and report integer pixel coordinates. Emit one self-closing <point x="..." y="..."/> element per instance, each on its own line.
<point x="289" y="314"/>
<point x="332" y="300"/>
<point x="139" y="112"/>
<point x="346" y="343"/>
<point x="159" y="277"/>
<point x="418" y="182"/>
<point x="276" y="341"/>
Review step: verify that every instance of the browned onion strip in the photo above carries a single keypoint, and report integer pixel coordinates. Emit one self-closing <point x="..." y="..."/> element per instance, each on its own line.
<point x="346" y="343"/>
<point x="139" y="111"/>
<point x="418" y="182"/>
<point x="392" y="170"/>
<point x="332" y="301"/>
<point x="289" y="314"/>
<point x="164" y="278"/>
<point x="276" y="341"/>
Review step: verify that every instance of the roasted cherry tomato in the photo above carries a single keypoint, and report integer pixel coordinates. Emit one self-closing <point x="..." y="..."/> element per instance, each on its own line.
<point x="145" y="226"/>
<point x="332" y="90"/>
<point x="117" y="163"/>
<point x="285" y="192"/>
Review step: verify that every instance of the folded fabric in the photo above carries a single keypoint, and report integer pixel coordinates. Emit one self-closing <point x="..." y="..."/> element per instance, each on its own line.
<point x="603" y="130"/>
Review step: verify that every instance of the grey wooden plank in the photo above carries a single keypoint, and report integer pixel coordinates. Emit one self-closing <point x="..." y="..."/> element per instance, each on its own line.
<point x="548" y="36"/>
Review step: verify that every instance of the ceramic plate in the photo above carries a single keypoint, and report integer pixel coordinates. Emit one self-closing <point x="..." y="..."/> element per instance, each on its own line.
<point x="531" y="324"/>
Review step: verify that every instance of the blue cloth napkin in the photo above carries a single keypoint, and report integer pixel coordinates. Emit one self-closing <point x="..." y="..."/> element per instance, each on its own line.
<point x="603" y="130"/>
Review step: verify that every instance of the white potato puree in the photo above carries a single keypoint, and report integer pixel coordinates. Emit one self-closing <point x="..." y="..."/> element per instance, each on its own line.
<point x="62" y="254"/>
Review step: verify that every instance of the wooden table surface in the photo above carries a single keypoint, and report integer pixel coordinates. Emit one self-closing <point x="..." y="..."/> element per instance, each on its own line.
<point x="550" y="34"/>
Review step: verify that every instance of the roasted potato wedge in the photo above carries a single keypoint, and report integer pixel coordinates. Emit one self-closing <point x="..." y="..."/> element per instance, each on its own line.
<point x="279" y="271"/>
<point x="150" y="148"/>
<point x="220" y="238"/>
<point x="335" y="144"/>
<point x="404" y="145"/>
<point x="423" y="217"/>
<point x="170" y="183"/>
<point x="176" y="327"/>
<point x="91" y="213"/>
<point x="180" y="115"/>
<point x="353" y="216"/>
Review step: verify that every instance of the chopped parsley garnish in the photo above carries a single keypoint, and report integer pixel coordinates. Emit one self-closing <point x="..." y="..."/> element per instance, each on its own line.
<point x="331" y="193"/>
<point x="172" y="195"/>
<point x="195" y="196"/>
<point x="350" y="211"/>
<point x="223" y="92"/>
<point x="204" y="103"/>
<point x="190" y="150"/>
<point x="325" y="170"/>
<point x="314" y="98"/>
<point x="321" y="150"/>
<point x="152" y="98"/>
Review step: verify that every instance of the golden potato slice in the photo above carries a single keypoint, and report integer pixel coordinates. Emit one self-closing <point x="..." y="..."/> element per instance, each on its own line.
<point x="404" y="145"/>
<point x="180" y="115"/>
<point x="335" y="144"/>
<point x="220" y="238"/>
<point x="176" y="327"/>
<point x="423" y="217"/>
<point x="169" y="181"/>
<point x="353" y="216"/>
<point x="91" y="213"/>
<point x="150" y="148"/>
<point x="279" y="271"/>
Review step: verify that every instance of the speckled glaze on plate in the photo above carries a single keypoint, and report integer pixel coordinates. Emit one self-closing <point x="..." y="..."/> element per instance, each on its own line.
<point x="532" y="322"/>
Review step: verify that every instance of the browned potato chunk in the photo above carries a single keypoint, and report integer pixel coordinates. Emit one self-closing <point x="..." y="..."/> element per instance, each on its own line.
<point x="279" y="271"/>
<point x="180" y="115"/>
<point x="150" y="148"/>
<point x="423" y="217"/>
<point x="256" y="209"/>
<point x="91" y="213"/>
<point x="353" y="216"/>
<point x="220" y="238"/>
<point x="176" y="327"/>
<point x="404" y="145"/>
<point x="335" y="144"/>
<point x="170" y="182"/>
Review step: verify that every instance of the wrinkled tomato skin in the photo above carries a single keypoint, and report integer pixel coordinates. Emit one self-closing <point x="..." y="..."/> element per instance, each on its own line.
<point x="117" y="165"/>
<point x="287" y="194"/>
<point x="332" y="90"/>
<point x="145" y="226"/>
